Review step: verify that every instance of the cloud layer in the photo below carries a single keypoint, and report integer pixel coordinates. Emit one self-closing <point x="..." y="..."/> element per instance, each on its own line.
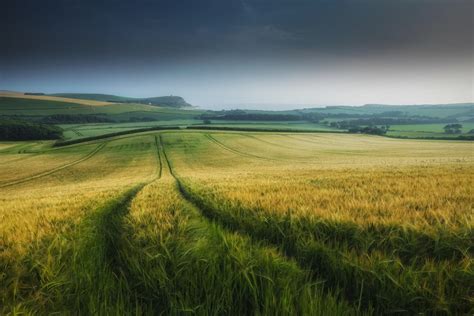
<point x="239" y="51"/>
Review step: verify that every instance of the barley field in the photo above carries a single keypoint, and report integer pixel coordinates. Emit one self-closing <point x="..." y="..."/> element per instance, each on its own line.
<point x="237" y="223"/>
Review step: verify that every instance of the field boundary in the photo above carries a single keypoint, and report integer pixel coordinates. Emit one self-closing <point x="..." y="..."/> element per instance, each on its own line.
<point x="133" y="131"/>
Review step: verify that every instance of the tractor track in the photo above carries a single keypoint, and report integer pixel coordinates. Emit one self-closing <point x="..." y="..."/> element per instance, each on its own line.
<point x="235" y="151"/>
<point x="54" y="170"/>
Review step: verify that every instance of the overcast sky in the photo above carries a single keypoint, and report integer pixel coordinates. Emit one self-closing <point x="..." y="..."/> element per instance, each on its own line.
<point x="257" y="53"/>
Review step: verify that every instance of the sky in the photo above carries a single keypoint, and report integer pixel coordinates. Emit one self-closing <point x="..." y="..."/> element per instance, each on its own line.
<point x="270" y="54"/>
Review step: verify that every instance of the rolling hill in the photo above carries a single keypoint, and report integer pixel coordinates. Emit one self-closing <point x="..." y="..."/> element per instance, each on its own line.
<point x="169" y="101"/>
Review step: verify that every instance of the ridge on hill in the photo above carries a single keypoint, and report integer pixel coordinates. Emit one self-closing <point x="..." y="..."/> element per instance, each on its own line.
<point x="170" y="101"/>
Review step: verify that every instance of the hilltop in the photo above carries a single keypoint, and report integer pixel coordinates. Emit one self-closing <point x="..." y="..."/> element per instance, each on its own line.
<point x="169" y="101"/>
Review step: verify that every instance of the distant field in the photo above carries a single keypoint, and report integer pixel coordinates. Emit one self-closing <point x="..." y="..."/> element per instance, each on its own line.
<point x="237" y="223"/>
<point x="36" y="109"/>
<point x="52" y="98"/>
<point x="128" y="116"/>
<point x="302" y="125"/>
<point x="76" y="131"/>
<point x="40" y="107"/>
<point x="439" y="110"/>
<point x="426" y="130"/>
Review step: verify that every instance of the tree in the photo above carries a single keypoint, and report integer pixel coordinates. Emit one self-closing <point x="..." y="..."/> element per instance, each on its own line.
<point x="453" y="128"/>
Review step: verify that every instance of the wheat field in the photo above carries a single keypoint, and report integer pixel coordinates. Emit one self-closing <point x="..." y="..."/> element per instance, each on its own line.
<point x="219" y="223"/>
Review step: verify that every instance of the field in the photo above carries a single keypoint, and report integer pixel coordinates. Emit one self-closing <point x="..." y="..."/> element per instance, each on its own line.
<point x="417" y="121"/>
<point x="194" y="222"/>
<point x="15" y="95"/>
<point x="426" y="130"/>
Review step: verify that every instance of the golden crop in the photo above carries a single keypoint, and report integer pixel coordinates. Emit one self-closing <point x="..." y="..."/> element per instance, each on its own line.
<point x="367" y="180"/>
<point x="165" y="219"/>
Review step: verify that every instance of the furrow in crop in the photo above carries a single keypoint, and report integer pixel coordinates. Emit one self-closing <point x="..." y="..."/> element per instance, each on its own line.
<point x="375" y="279"/>
<point x="273" y="144"/>
<point x="49" y="172"/>
<point x="177" y="262"/>
<point x="235" y="151"/>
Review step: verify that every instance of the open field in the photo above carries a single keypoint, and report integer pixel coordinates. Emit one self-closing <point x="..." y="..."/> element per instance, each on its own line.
<point x="426" y="130"/>
<point x="178" y="222"/>
<point x="36" y="108"/>
<point x="52" y="98"/>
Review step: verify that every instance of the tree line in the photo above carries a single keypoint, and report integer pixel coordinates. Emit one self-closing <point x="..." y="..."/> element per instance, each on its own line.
<point x="23" y="130"/>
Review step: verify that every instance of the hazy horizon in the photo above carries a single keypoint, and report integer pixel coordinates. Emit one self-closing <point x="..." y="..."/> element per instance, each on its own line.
<point x="221" y="54"/>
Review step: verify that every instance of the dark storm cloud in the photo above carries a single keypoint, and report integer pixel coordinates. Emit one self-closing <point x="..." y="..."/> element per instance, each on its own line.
<point x="117" y="29"/>
<point x="242" y="51"/>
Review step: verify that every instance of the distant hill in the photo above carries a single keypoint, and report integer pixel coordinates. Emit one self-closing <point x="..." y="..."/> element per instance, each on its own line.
<point x="455" y="110"/>
<point x="44" y="97"/>
<point x="170" y="101"/>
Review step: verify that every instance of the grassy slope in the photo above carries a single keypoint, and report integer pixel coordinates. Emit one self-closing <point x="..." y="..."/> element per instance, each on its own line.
<point x="53" y="98"/>
<point x="165" y="100"/>
<point x="90" y="96"/>
<point x="41" y="107"/>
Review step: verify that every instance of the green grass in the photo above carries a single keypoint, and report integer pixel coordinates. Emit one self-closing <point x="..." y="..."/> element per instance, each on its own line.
<point x="435" y="111"/>
<point x="299" y="125"/>
<point x="426" y="130"/>
<point x="90" y="130"/>
<point x="91" y="96"/>
<point x="37" y="108"/>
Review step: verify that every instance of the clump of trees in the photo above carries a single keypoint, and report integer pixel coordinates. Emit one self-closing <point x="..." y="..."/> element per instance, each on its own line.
<point x="22" y="130"/>
<point x="374" y="130"/>
<point x="453" y="128"/>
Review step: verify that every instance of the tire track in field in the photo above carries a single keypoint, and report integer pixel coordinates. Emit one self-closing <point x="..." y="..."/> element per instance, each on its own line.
<point x="240" y="153"/>
<point x="276" y="145"/>
<point x="317" y="258"/>
<point x="302" y="140"/>
<point x="235" y="151"/>
<point x="229" y="228"/>
<point x="54" y="170"/>
<point x="114" y="215"/>
<point x="326" y="151"/>
<point x="160" y="162"/>
<point x="108" y="223"/>
<point x="97" y="267"/>
<point x="75" y="131"/>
